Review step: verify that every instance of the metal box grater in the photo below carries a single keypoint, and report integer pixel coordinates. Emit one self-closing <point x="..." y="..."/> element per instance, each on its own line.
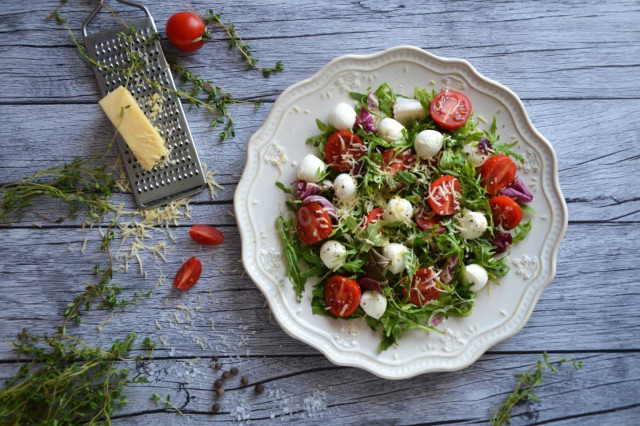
<point x="183" y="175"/>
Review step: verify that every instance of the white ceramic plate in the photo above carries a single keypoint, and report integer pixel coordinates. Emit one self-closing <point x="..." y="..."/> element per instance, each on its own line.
<point x="274" y="152"/>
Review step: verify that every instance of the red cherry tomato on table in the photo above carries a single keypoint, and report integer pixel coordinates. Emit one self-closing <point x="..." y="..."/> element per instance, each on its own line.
<point x="342" y="295"/>
<point x="188" y="274"/>
<point x="507" y="214"/>
<point x="396" y="163"/>
<point x="207" y="235"/>
<point x="342" y="149"/>
<point x="313" y="223"/>
<point x="444" y="193"/>
<point x="186" y="31"/>
<point x="426" y="219"/>
<point x="497" y="173"/>
<point x="450" y="109"/>
<point x="424" y="287"/>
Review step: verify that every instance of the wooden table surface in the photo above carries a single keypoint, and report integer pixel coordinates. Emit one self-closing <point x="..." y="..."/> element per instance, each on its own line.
<point x="575" y="65"/>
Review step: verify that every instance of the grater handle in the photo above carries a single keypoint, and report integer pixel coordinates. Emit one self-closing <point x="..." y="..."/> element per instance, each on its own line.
<point x="95" y="11"/>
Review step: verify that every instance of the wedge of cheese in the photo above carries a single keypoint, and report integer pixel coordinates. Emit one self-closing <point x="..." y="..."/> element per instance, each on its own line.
<point x="143" y="139"/>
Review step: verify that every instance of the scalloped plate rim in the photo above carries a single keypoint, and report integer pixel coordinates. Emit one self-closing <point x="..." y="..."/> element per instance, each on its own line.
<point x="387" y="371"/>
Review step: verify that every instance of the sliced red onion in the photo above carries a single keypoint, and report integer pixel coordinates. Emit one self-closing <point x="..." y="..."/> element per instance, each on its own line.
<point x="502" y="241"/>
<point x="302" y="189"/>
<point x="326" y="204"/>
<point x="365" y="119"/>
<point x="484" y="145"/>
<point x="518" y="191"/>
<point x="372" y="101"/>
<point x="359" y="169"/>
<point x="367" y="283"/>
<point x="446" y="276"/>
<point x="435" y="321"/>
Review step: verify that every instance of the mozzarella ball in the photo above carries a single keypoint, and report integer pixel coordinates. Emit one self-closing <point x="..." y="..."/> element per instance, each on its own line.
<point x="428" y="143"/>
<point x="396" y="254"/>
<point x="310" y="168"/>
<point x="472" y="225"/>
<point x="373" y="303"/>
<point x="345" y="187"/>
<point x="332" y="254"/>
<point x="343" y="116"/>
<point x="390" y="130"/>
<point x="474" y="155"/>
<point x="477" y="276"/>
<point x="408" y="110"/>
<point x="397" y="210"/>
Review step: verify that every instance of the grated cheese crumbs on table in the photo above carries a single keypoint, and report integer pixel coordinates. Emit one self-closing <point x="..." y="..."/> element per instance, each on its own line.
<point x="315" y="403"/>
<point x="84" y="244"/>
<point x="211" y="181"/>
<point x="164" y="341"/>
<point x="158" y="326"/>
<point x="37" y="224"/>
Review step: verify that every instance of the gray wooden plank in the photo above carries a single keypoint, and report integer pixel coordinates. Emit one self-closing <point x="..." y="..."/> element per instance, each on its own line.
<point x="310" y="391"/>
<point x="592" y="154"/>
<point x="44" y="269"/>
<point x="594" y="54"/>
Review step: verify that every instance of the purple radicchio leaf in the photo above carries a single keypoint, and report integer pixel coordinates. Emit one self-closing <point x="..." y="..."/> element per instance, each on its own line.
<point x="518" y="191"/>
<point x="302" y="189"/>
<point x="326" y="204"/>
<point x="502" y="241"/>
<point x="375" y="268"/>
<point x="365" y="119"/>
<point x="367" y="283"/>
<point x="446" y="276"/>
<point x="484" y="145"/>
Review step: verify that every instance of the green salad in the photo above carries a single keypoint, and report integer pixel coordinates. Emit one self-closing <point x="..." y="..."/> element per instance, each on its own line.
<point x="405" y="212"/>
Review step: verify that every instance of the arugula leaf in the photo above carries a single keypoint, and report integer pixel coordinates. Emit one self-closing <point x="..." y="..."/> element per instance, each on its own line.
<point x="284" y="188"/>
<point x="290" y="251"/>
<point x="522" y="231"/>
<point x="386" y="99"/>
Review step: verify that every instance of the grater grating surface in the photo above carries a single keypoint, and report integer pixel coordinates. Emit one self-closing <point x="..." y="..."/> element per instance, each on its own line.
<point x="183" y="174"/>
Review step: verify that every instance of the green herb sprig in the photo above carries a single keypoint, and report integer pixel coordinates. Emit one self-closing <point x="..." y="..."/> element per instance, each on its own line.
<point x="166" y="402"/>
<point x="525" y="387"/>
<point x="235" y="41"/>
<point x="67" y="381"/>
<point x="105" y="290"/>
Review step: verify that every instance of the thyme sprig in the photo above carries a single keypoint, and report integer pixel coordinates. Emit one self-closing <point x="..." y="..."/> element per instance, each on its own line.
<point x="106" y="291"/>
<point x="166" y="401"/>
<point x="525" y="387"/>
<point x="236" y="41"/>
<point x="67" y="381"/>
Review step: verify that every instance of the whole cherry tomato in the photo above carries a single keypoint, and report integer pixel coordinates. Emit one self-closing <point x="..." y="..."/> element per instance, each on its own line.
<point x="186" y="31"/>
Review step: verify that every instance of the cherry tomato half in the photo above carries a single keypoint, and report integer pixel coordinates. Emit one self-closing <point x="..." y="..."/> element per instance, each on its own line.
<point x="396" y="163"/>
<point x="188" y="274"/>
<point x="507" y="214"/>
<point x="343" y="149"/>
<point x="342" y="295"/>
<point x="444" y="193"/>
<point x="424" y="287"/>
<point x="497" y="173"/>
<point x="313" y="223"/>
<point x="372" y="217"/>
<point x="207" y="235"/>
<point x="426" y="219"/>
<point x="186" y="31"/>
<point x="450" y="109"/>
